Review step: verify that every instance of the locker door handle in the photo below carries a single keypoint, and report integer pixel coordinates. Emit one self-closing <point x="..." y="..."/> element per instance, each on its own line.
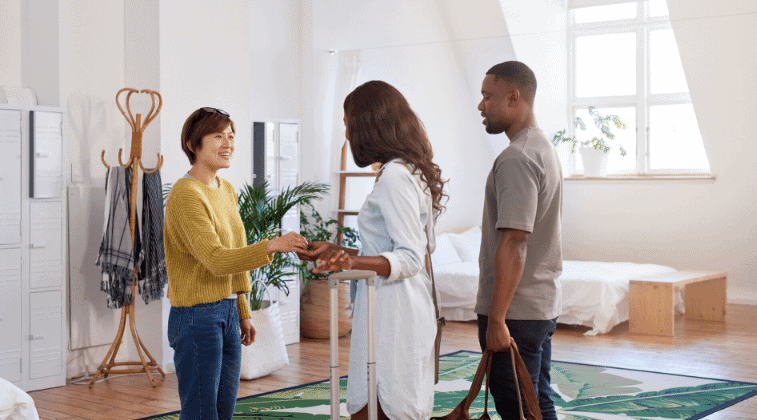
<point x="33" y="337"/>
<point x="42" y="155"/>
<point x="283" y="157"/>
<point x="36" y="246"/>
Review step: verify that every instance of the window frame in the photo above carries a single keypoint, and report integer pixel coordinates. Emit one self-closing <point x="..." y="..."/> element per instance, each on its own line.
<point x="642" y="25"/>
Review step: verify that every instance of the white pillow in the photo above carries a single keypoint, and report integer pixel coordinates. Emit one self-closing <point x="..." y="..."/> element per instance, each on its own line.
<point x="467" y="243"/>
<point x="445" y="252"/>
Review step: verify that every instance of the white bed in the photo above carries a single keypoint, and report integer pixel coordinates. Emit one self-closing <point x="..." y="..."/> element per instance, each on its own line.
<point x="15" y="404"/>
<point x="594" y="294"/>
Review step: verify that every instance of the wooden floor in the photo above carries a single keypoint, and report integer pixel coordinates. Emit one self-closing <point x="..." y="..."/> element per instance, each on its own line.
<point x="701" y="348"/>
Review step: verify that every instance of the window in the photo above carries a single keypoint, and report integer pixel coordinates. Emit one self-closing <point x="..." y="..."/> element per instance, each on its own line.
<point x="624" y="61"/>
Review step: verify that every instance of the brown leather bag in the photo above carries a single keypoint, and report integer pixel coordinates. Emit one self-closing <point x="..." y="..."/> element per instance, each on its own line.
<point x="522" y="384"/>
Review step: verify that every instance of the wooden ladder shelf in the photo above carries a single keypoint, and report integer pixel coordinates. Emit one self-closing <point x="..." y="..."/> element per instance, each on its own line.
<point x="341" y="212"/>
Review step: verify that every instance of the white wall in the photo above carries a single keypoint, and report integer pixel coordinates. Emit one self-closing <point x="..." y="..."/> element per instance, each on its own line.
<point x="205" y="61"/>
<point x="88" y="73"/>
<point x="436" y="54"/>
<point x="537" y="29"/>
<point x="277" y="59"/>
<point x="697" y="225"/>
<point x="10" y="43"/>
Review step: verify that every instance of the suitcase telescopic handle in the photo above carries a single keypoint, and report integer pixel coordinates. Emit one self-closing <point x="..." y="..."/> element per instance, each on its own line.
<point x="370" y="281"/>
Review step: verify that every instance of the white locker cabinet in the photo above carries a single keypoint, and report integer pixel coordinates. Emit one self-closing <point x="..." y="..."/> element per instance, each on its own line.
<point x="32" y="247"/>
<point x="45" y="236"/>
<point x="10" y="177"/>
<point x="10" y="314"/>
<point x="45" y="342"/>
<point x="276" y="159"/>
<point x="289" y="168"/>
<point x="45" y="154"/>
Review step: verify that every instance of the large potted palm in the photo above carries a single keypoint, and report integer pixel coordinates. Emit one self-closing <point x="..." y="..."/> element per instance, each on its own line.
<point x="261" y="214"/>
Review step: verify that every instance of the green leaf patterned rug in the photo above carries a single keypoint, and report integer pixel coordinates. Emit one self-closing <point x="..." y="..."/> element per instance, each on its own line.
<point x="581" y="392"/>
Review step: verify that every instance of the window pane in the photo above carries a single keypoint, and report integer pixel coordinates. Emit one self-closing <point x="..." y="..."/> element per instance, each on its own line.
<point x="666" y="71"/>
<point x="605" y="13"/>
<point x="658" y="8"/>
<point x="674" y="140"/>
<point x="606" y="65"/>
<point x="616" y="164"/>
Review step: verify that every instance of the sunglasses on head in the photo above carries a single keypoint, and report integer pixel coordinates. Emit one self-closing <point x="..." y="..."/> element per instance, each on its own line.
<point x="212" y="110"/>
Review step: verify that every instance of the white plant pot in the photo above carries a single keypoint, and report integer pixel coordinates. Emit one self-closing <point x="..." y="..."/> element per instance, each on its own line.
<point x="595" y="162"/>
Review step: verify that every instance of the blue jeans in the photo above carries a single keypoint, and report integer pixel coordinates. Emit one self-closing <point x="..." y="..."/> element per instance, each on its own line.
<point x="534" y="340"/>
<point x="207" y="354"/>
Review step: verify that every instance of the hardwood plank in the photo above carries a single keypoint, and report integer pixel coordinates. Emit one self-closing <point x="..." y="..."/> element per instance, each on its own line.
<point x="723" y="350"/>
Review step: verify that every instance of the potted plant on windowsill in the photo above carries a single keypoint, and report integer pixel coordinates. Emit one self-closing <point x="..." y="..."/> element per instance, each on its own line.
<point x="594" y="151"/>
<point x="314" y="310"/>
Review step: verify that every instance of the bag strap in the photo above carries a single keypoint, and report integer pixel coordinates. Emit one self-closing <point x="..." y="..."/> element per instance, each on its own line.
<point x="431" y="272"/>
<point x="428" y="247"/>
<point x="522" y="381"/>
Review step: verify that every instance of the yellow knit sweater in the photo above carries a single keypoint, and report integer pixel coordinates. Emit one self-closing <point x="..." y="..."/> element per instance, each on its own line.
<point x="207" y="257"/>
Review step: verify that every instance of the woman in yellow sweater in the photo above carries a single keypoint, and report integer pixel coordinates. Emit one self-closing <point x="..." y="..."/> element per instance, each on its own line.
<point x="208" y="263"/>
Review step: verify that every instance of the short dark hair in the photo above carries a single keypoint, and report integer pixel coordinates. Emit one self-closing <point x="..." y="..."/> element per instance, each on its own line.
<point x="199" y="124"/>
<point x="518" y="74"/>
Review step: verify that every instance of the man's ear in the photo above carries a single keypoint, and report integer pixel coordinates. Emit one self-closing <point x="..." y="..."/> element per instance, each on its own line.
<point x="513" y="96"/>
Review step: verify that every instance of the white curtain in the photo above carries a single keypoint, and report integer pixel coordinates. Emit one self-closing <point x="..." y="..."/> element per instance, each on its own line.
<point x="347" y="72"/>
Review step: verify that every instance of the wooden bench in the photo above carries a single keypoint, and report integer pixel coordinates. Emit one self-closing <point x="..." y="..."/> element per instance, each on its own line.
<point x="651" y="305"/>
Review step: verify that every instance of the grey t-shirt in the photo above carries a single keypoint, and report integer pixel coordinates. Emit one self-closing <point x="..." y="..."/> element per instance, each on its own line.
<point x="524" y="192"/>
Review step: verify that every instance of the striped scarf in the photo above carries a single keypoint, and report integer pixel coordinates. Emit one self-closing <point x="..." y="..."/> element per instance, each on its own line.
<point x="153" y="260"/>
<point x="116" y="259"/>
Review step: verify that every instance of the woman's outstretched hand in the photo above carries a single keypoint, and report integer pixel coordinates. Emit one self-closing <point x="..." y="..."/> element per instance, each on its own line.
<point x="333" y="260"/>
<point x="314" y="250"/>
<point x="291" y="242"/>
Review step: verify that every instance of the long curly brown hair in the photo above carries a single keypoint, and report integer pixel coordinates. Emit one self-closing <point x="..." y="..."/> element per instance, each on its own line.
<point x="381" y="126"/>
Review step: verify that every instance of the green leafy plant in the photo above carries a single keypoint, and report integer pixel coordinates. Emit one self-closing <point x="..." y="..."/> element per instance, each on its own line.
<point x="314" y="228"/>
<point x="261" y="214"/>
<point x="603" y="122"/>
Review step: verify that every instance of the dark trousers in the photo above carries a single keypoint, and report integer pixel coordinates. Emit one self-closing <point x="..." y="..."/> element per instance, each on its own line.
<point x="534" y="340"/>
<point x="208" y="356"/>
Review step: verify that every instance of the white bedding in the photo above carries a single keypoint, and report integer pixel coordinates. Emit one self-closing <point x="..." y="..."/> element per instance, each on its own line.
<point x="595" y="294"/>
<point x="15" y="404"/>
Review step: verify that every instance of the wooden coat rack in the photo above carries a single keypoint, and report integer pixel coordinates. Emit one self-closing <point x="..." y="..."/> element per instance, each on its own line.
<point x="135" y="162"/>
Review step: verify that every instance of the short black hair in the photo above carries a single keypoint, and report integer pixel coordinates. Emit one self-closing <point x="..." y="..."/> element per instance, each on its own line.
<point x="520" y="75"/>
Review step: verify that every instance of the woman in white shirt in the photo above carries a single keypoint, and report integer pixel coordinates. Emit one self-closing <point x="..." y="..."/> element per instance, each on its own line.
<point x="393" y="224"/>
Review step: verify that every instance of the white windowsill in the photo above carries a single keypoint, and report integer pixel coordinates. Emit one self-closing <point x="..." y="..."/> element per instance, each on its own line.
<point x="670" y="177"/>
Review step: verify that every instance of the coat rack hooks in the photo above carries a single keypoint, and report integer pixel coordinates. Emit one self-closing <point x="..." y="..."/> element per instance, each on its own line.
<point x="127" y="311"/>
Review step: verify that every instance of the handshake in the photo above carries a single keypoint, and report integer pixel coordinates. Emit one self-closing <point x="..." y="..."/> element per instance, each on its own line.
<point x="327" y="256"/>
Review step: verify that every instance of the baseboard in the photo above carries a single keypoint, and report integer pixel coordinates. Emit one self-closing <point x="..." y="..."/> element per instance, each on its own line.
<point x="169" y="368"/>
<point x="742" y="297"/>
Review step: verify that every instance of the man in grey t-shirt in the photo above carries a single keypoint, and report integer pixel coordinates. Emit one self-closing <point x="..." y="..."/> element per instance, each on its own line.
<point x="521" y="253"/>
